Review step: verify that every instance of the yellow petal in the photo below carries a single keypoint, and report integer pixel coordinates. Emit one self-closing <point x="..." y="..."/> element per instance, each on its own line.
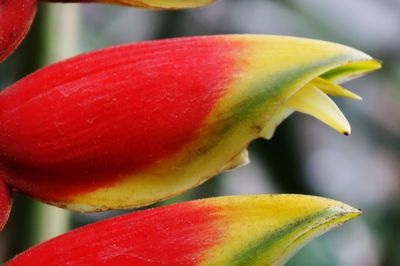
<point x="314" y="102"/>
<point x="269" y="229"/>
<point x="351" y="71"/>
<point x="334" y="89"/>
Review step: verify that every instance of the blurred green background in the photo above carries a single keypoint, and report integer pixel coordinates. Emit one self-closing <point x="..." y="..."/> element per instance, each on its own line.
<point x="303" y="157"/>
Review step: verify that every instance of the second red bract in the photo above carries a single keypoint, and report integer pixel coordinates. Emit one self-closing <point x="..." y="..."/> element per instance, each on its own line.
<point x="241" y="230"/>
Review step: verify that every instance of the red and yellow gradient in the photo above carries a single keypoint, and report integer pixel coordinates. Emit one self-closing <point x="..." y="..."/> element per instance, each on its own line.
<point x="149" y="4"/>
<point x="131" y="125"/>
<point x="16" y="17"/>
<point x="239" y="230"/>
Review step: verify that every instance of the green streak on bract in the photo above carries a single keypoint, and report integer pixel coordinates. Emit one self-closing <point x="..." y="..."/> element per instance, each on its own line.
<point x="258" y="97"/>
<point x="256" y="251"/>
<point x="352" y="69"/>
<point x="268" y="90"/>
<point x="337" y="72"/>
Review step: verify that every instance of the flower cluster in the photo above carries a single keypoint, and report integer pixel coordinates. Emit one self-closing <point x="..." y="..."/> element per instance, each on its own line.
<point x="131" y="125"/>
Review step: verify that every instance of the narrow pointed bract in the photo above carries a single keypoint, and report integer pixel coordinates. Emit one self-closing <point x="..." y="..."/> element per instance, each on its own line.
<point x="131" y="125"/>
<point x="334" y="89"/>
<point x="313" y="101"/>
<point x="16" y="17"/>
<point x="238" y="230"/>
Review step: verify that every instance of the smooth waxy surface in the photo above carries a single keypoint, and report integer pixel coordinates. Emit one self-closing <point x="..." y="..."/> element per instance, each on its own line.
<point x="135" y="124"/>
<point x="241" y="230"/>
<point x="16" y="17"/>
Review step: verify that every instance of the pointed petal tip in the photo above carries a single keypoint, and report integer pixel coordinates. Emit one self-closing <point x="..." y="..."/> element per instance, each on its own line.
<point x="378" y="63"/>
<point x="345" y="209"/>
<point x="356" y="212"/>
<point x="352" y="70"/>
<point x="334" y="89"/>
<point x="370" y="65"/>
<point x="343" y="214"/>
<point x="312" y="101"/>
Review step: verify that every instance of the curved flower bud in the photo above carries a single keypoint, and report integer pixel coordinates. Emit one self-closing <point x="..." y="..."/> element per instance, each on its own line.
<point x="239" y="230"/>
<point x="131" y="125"/>
<point x="149" y="4"/>
<point x="16" y="17"/>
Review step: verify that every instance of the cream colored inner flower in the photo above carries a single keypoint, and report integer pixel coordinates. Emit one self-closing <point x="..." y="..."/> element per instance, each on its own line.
<point x="313" y="100"/>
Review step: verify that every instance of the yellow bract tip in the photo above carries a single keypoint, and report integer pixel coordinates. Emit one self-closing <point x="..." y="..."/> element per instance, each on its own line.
<point x="314" y="102"/>
<point x="334" y="89"/>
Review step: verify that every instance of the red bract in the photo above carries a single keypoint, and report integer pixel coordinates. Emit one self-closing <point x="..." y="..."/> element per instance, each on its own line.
<point x="16" y="17"/>
<point x="5" y="203"/>
<point x="173" y="235"/>
<point x="108" y="114"/>
<point x="239" y="230"/>
<point x="131" y="125"/>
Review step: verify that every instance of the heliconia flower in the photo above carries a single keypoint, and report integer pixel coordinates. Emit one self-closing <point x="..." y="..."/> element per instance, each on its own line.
<point x="150" y="4"/>
<point x="236" y="230"/>
<point x="16" y="17"/>
<point x="131" y="125"/>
